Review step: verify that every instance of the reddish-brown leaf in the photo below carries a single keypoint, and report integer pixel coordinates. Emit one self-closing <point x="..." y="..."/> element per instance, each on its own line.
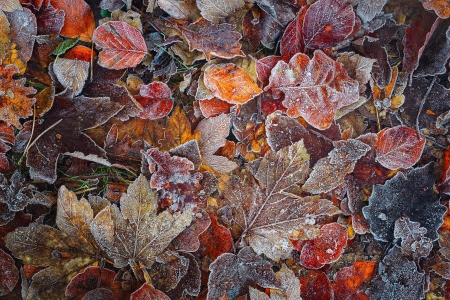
<point x="310" y="283"/>
<point x="156" y="100"/>
<point x="6" y="137"/>
<point x="9" y="275"/>
<point x="80" y="52"/>
<point x="349" y="282"/>
<point x="264" y="66"/>
<point x="440" y="7"/>
<point x="327" y="22"/>
<point x="214" y="107"/>
<point x="213" y="39"/>
<point x="215" y="241"/>
<point x="326" y="248"/>
<point x="399" y="147"/>
<point x="313" y="88"/>
<point x="292" y="40"/>
<point x="79" y="19"/>
<point x="123" y="45"/>
<point x="148" y="292"/>
<point x="230" y="83"/>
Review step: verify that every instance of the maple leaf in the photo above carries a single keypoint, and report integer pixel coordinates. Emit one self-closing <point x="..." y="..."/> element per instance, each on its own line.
<point x="327" y="22"/>
<point x="233" y="274"/>
<point x="217" y="10"/>
<point x="14" y="103"/>
<point x="349" y="282"/>
<point x="213" y="39"/>
<point x="7" y="138"/>
<point x="79" y="19"/>
<point x="266" y="212"/>
<point x="123" y="45"/>
<point x="65" y="252"/>
<point x="64" y="124"/>
<point x="330" y="172"/>
<point x="230" y="83"/>
<point x="315" y="95"/>
<point x="71" y="73"/>
<point x="135" y="233"/>
<point x="9" y="275"/>
<point x="410" y="195"/>
<point x="414" y="243"/>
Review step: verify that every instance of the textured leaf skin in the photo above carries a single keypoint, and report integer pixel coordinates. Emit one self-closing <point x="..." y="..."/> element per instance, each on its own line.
<point x="399" y="147"/>
<point x="232" y="274"/>
<point x="292" y="39"/>
<point x="309" y="283"/>
<point x="414" y="243"/>
<point x="155" y="99"/>
<point x="410" y="195"/>
<point x="349" y="282"/>
<point x="312" y="94"/>
<point x="123" y="45"/>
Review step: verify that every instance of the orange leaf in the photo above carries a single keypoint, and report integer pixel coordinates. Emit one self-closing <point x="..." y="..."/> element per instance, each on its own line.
<point x="230" y="83"/>
<point x="79" y="52"/>
<point x="123" y="45"/>
<point x="79" y="20"/>
<point x="348" y="283"/>
<point x="440" y="7"/>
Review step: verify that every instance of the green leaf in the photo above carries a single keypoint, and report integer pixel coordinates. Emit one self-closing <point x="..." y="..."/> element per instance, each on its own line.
<point x="105" y="13"/>
<point x="64" y="46"/>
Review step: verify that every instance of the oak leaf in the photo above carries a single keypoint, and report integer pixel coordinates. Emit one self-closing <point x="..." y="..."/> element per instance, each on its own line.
<point x="266" y="212"/>
<point x="136" y="233"/>
<point x="312" y="94"/>
<point x="79" y="19"/>
<point x="14" y="103"/>
<point x="230" y="83"/>
<point x="123" y="45"/>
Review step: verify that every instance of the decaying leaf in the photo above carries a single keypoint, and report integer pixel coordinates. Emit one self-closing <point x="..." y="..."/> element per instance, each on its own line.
<point x="414" y="243"/>
<point x="312" y="94"/>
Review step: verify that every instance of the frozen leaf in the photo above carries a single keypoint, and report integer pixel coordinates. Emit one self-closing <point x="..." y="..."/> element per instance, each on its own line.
<point x="7" y="138"/>
<point x="264" y="66"/>
<point x="125" y="152"/>
<point x="14" y="103"/>
<point x="123" y="45"/>
<point x="442" y="268"/>
<point x="80" y="52"/>
<point x="292" y="39"/>
<point x="326" y="248"/>
<point x="4" y="35"/>
<point x="309" y="283"/>
<point x="327" y="22"/>
<point x="282" y="12"/>
<point x="217" y="10"/>
<point x="17" y="194"/>
<point x="78" y="21"/>
<point x="289" y="287"/>
<point x="368" y="9"/>
<point x="105" y="83"/>
<point x="140" y="234"/>
<point x="358" y="67"/>
<point x="213" y="39"/>
<point x="155" y="99"/>
<point x="10" y="5"/>
<point x="180" y="9"/>
<point x="414" y="243"/>
<point x="230" y="83"/>
<point x="64" y="46"/>
<point x="148" y="292"/>
<point x="188" y="240"/>
<point x="90" y="279"/>
<point x="311" y="94"/>
<point x="261" y="28"/>
<point x="9" y="275"/>
<point x="268" y="215"/>
<point x="214" y="107"/>
<point x="49" y="21"/>
<point x="350" y="282"/>
<point x="211" y="134"/>
<point x="397" y="278"/>
<point x="440" y="7"/>
<point x="330" y="172"/>
<point x="399" y="147"/>
<point x="215" y="241"/>
<point x="64" y="123"/>
<point x="231" y="274"/>
<point x="71" y="73"/>
<point x="112" y="5"/>
<point x="410" y="195"/>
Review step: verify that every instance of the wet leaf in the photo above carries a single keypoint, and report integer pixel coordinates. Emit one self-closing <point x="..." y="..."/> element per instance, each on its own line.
<point x="326" y="23"/>
<point x="311" y="94"/>
<point x="231" y="274"/>
<point x="140" y="234"/>
<point x="399" y="147"/>
<point x="330" y="172"/>
<point x="410" y="195"/>
<point x="123" y="45"/>
<point x="78" y="21"/>
<point x="230" y="83"/>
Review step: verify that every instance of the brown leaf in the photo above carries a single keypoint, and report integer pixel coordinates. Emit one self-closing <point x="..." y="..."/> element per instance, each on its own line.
<point x="7" y="138"/>
<point x="78" y="21"/>
<point x="14" y="103"/>
<point x="217" y="10"/>
<point x="71" y="73"/>
<point x="178" y="130"/>
<point x="213" y="39"/>
<point x="311" y="94"/>
<point x="9" y="275"/>
<point x="148" y="292"/>
<point x="123" y="45"/>
<point x="10" y="5"/>
<point x="440" y="7"/>
<point x="290" y="287"/>
<point x="329" y="172"/>
<point x="180" y="9"/>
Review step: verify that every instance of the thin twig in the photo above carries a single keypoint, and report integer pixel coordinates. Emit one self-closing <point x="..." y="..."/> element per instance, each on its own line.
<point x="38" y="137"/>
<point x="134" y="8"/>
<point x="422" y="103"/>
<point x="31" y="136"/>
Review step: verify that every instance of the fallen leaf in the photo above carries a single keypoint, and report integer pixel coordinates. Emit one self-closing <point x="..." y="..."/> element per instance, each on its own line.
<point x="217" y="10"/>
<point x="236" y="273"/>
<point x="440" y="7"/>
<point x="368" y="9"/>
<point x="146" y="291"/>
<point x="230" y="83"/>
<point x="311" y="94"/>
<point x="358" y="67"/>
<point x="7" y="138"/>
<point x="123" y="45"/>
<point x="309" y="282"/>
<point x="10" y="5"/>
<point x="78" y="21"/>
<point x="289" y="290"/>
<point x="181" y="10"/>
<point x="9" y="275"/>
<point x="50" y="21"/>
<point x="155" y="99"/>
<point x="350" y="282"/>
<point x="399" y="147"/>
<point x="292" y="39"/>
<point x="215" y="241"/>
<point x="261" y="28"/>
<point x="71" y="73"/>
<point x="214" y="107"/>
<point x="414" y="243"/>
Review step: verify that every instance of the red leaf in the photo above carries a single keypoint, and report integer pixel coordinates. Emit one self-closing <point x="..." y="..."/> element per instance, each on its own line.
<point x="326" y="248"/>
<point x="327" y="22"/>
<point x="9" y="275"/>
<point x="147" y="292"/>
<point x="310" y="283"/>
<point x="156" y="99"/>
<point x="313" y="88"/>
<point x="399" y="147"/>
<point x="349" y="282"/>
<point x="264" y="66"/>
<point x="123" y="45"/>
<point x="79" y="52"/>
<point x="215" y="241"/>
<point x="292" y="40"/>
<point x="214" y="107"/>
